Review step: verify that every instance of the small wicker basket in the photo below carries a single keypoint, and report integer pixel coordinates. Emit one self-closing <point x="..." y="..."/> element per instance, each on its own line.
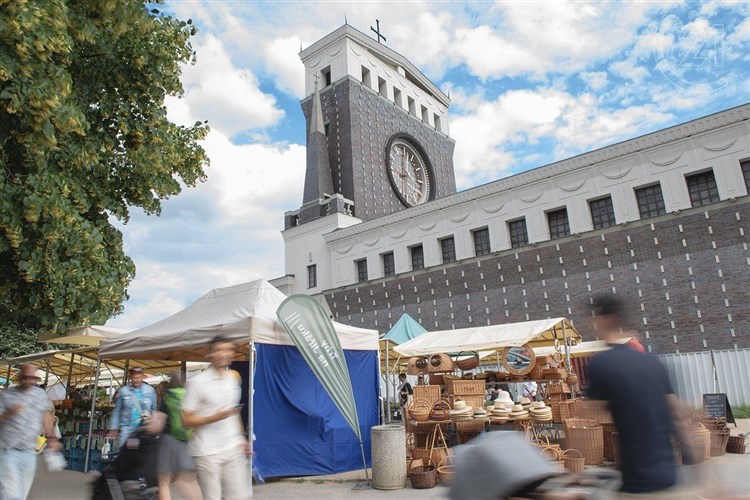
<point x="419" y="409"/>
<point x="736" y="444"/>
<point x="469" y="362"/>
<point x="425" y="476"/>
<point x="446" y="470"/>
<point x="440" y="411"/>
<point x="574" y="460"/>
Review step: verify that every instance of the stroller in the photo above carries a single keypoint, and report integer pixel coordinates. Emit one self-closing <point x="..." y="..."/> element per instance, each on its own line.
<point x="130" y="474"/>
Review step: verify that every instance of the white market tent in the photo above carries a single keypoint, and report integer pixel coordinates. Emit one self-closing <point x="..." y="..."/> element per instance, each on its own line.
<point x="83" y="335"/>
<point x="487" y="338"/>
<point x="584" y="349"/>
<point x="244" y="314"/>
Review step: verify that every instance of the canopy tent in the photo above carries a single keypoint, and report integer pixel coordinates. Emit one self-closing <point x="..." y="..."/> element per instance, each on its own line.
<point x="298" y="428"/>
<point x="535" y="333"/>
<point x="242" y="313"/>
<point x="405" y="329"/>
<point x="584" y="349"/>
<point x="83" y="335"/>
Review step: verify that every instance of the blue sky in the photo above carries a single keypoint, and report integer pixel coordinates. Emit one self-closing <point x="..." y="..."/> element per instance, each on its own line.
<point x="531" y="83"/>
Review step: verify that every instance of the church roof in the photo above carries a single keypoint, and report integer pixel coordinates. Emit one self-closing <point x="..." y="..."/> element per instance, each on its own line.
<point x="387" y="54"/>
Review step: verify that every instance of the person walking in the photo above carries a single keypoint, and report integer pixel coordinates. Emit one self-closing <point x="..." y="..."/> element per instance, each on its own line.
<point x="134" y="405"/>
<point x="211" y="408"/>
<point x="404" y="390"/>
<point x="174" y="462"/>
<point x="636" y="389"/>
<point x="25" y="410"/>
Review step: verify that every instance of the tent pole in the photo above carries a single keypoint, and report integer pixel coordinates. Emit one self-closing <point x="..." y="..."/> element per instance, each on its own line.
<point x="91" y="418"/>
<point x="497" y="356"/>
<point x="183" y="371"/>
<point x="387" y="389"/>
<point x="250" y="395"/>
<point x="70" y="376"/>
<point x="46" y="375"/>
<point x="7" y="378"/>
<point x="125" y="373"/>
<point x="567" y="355"/>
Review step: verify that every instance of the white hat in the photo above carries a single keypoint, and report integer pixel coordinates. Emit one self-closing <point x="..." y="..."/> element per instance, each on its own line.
<point x="503" y="397"/>
<point x="525" y="401"/>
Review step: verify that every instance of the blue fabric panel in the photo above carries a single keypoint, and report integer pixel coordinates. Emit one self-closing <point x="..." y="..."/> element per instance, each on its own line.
<point x="298" y="429"/>
<point x="406" y="328"/>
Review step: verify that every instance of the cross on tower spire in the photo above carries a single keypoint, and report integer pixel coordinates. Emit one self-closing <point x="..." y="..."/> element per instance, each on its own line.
<point x="377" y="31"/>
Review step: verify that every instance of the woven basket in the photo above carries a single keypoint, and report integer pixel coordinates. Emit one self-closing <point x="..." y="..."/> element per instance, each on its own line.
<point x="419" y="409"/>
<point x="468" y="363"/>
<point x="417" y="365"/>
<point x="429" y="392"/>
<point x="474" y="425"/>
<point x="558" y="388"/>
<point x="465" y="387"/>
<point x="446" y="470"/>
<point x="440" y="363"/>
<point x="425" y="476"/>
<point x="568" y="409"/>
<point x="437" y="379"/>
<point x="574" y="460"/>
<point x="719" y="440"/>
<point x="586" y="436"/>
<point x="440" y="411"/>
<point x="736" y="444"/>
<point x="591" y="410"/>
<point x="572" y="379"/>
<point x="555" y="373"/>
<point x="610" y="435"/>
<point x="697" y="436"/>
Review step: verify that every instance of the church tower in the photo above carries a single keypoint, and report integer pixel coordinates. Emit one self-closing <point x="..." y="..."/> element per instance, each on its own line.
<point x="383" y="125"/>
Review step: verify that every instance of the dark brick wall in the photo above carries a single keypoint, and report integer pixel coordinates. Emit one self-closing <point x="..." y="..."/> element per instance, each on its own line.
<point x="684" y="276"/>
<point x="360" y="124"/>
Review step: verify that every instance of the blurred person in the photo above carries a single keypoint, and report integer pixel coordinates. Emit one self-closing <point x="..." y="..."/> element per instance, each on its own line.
<point x="174" y="462"/>
<point x="405" y="390"/>
<point x="528" y="390"/>
<point x="636" y="388"/>
<point x="211" y="408"/>
<point x="420" y="380"/>
<point x="25" y="411"/>
<point x="134" y="405"/>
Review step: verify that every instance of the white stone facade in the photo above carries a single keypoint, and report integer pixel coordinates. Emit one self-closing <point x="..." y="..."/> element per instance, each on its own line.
<point x="717" y="143"/>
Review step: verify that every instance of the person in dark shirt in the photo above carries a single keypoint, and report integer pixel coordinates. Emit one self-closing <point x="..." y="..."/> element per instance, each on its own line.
<point x="405" y="390"/>
<point x="637" y="390"/>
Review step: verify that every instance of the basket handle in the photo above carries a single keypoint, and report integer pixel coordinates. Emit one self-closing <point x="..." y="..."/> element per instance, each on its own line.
<point x="448" y="460"/>
<point x="580" y="455"/>
<point x="467" y="353"/>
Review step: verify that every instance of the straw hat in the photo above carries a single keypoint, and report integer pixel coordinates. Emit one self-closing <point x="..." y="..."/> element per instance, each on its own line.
<point x="503" y="397"/>
<point x="480" y="412"/>
<point x="538" y="405"/>
<point x="517" y="408"/>
<point x="460" y="408"/>
<point x="525" y="401"/>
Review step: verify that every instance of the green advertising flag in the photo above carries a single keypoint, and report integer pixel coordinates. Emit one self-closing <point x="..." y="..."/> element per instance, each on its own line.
<point x="312" y="332"/>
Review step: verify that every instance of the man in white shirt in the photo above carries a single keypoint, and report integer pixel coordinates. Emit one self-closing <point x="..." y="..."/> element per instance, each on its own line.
<point x="211" y="408"/>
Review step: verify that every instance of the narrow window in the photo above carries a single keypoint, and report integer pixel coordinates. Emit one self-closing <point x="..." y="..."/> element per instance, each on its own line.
<point x="558" y="223"/>
<point x="366" y="77"/>
<point x="361" y="270"/>
<point x="602" y="212"/>
<point x="519" y="237"/>
<point x="448" y="249"/>
<point x="702" y="189"/>
<point x="397" y="98"/>
<point x="438" y="126"/>
<point x="417" y="257"/>
<point x="382" y="88"/>
<point x="425" y="116"/>
<point x="745" y="165"/>
<point x="327" y="128"/>
<point x="412" y="106"/>
<point x="326" y="73"/>
<point x="312" y="276"/>
<point x="650" y="201"/>
<point x="481" y="241"/>
<point x="389" y="264"/>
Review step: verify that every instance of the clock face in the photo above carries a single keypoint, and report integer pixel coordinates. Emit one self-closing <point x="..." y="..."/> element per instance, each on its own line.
<point x="408" y="173"/>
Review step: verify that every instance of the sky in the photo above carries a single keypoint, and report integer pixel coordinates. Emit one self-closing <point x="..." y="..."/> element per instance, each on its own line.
<point x="530" y="82"/>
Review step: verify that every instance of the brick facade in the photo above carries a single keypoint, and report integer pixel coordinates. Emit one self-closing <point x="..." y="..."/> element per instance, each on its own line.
<point x="360" y="123"/>
<point x="684" y="277"/>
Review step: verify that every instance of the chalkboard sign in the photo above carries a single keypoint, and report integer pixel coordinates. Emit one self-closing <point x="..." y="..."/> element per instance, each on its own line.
<point x="717" y="406"/>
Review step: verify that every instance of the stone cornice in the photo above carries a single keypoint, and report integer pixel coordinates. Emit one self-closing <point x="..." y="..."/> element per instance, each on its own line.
<point x="621" y="149"/>
<point x="378" y="48"/>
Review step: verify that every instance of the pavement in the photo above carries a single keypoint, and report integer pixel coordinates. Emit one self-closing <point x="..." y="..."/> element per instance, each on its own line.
<point x="727" y="476"/>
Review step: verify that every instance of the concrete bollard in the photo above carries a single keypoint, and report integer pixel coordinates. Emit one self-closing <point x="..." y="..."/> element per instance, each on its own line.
<point x="388" y="443"/>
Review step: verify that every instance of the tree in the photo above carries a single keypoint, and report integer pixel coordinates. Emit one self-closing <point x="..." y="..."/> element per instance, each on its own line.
<point x="83" y="138"/>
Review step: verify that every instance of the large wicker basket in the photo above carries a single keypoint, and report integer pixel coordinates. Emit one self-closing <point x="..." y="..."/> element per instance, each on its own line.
<point x="467" y="360"/>
<point x="697" y="437"/>
<point x="465" y="387"/>
<point x="719" y="440"/>
<point x="429" y="392"/>
<point x="610" y="435"/>
<point x="586" y="436"/>
<point x="568" y="409"/>
<point x="425" y="476"/>
<point x="592" y="410"/>
<point x="440" y="363"/>
<point x="417" y="365"/>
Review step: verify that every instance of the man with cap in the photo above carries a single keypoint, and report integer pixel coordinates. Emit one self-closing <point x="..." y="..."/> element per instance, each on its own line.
<point x="25" y="411"/>
<point x="135" y="403"/>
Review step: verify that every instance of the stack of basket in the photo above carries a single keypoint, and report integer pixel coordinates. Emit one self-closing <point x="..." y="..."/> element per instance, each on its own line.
<point x="736" y="444"/>
<point x="719" y="434"/>
<point x="586" y="436"/>
<point x="557" y="392"/>
<point x="470" y="391"/>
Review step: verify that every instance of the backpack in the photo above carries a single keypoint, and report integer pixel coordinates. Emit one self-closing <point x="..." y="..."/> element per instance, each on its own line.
<point x="173" y="404"/>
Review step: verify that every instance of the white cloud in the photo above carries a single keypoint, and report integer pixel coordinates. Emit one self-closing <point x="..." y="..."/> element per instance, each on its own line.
<point x="282" y="60"/>
<point x="596" y="80"/>
<point x="227" y="96"/>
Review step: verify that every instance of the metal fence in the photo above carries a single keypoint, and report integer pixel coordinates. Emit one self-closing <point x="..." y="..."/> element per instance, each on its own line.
<point x="696" y="373"/>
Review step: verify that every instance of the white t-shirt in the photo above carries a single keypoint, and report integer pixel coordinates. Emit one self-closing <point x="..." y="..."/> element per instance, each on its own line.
<point x="209" y="393"/>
